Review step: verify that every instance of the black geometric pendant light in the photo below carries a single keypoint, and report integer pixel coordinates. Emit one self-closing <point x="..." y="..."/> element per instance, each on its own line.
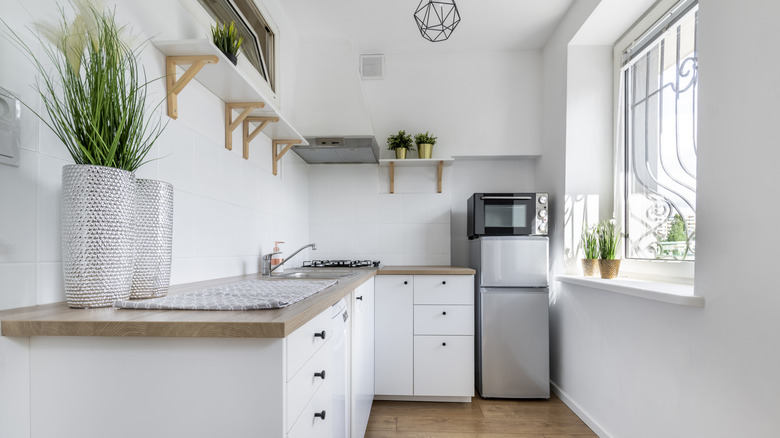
<point x="436" y="19"/>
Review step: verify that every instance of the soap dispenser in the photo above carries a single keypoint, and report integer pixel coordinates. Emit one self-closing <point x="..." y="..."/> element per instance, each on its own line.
<point x="277" y="259"/>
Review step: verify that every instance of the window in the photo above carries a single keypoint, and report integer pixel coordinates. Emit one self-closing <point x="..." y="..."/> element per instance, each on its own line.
<point x="258" y="45"/>
<point x="657" y="119"/>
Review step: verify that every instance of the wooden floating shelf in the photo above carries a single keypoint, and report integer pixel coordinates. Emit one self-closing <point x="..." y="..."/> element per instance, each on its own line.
<point x="416" y="162"/>
<point x="232" y="86"/>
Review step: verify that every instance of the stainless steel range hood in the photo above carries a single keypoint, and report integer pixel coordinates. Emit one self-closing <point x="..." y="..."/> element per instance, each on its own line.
<point x="339" y="149"/>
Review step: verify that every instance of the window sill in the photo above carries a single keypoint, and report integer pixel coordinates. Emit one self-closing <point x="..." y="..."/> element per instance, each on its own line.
<point x="680" y="294"/>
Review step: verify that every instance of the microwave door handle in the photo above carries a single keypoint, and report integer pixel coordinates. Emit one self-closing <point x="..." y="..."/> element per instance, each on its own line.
<point x="519" y="198"/>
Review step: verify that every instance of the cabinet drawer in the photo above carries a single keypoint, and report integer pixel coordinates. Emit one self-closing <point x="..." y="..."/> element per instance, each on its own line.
<point x="443" y="289"/>
<point x="443" y="320"/>
<point x="302" y="343"/>
<point x="444" y="365"/>
<point x="304" y="384"/>
<point x="309" y="426"/>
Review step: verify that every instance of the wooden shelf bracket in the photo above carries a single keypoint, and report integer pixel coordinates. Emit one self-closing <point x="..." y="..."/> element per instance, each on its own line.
<point x="230" y="124"/>
<point x="392" y="177"/>
<point x="277" y="155"/>
<point x="174" y="86"/>
<point x="248" y="137"/>
<point x="415" y="162"/>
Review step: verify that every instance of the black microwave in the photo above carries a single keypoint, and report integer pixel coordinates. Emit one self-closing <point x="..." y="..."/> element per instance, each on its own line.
<point x="507" y="214"/>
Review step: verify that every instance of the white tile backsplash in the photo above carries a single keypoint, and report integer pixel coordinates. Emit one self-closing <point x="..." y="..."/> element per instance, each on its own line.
<point x="49" y="206"/>
<point x="390" y="227"/>
<point x="18" y="280"/>
<point x="18" y="203"/>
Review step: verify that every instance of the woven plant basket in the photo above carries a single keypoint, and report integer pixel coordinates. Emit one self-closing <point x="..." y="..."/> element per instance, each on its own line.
<point x="609" y="268"/>
<point x="590" y="267"/>
<point x="98" y="234"/>
<point x="154" y="239"/>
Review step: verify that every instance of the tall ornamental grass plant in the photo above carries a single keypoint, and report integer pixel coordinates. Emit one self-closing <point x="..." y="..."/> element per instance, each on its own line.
<point x="609" y="239"/>
<point x="590" y="242"/>
<point x="94" y="95"/>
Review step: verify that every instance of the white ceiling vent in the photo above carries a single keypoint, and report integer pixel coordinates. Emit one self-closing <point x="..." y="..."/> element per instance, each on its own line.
<point x="372" y="66"/>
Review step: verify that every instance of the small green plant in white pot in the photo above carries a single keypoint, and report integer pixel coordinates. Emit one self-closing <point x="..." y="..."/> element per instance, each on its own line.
<point x="609" y="239"/>
<point x="400" y="143"/>
<point x="590" y="246"/>
<point x="425" y="144"/>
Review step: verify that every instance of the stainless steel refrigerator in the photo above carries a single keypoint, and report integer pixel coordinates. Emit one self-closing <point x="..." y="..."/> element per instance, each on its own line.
<point x="512" y="320"/>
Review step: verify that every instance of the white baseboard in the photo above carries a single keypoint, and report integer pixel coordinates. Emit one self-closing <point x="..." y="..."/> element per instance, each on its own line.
<point x="597" y="429"/>
<point x="422" y="398"/>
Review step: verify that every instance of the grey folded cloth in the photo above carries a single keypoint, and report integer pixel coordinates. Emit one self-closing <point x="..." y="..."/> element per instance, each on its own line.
<point x="244" y="295"/>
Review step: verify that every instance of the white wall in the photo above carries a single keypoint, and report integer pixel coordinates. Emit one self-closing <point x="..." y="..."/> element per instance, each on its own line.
<point x="640" y="368"/>
<point x="475" y="103"/>
<point x="353" y="215"/>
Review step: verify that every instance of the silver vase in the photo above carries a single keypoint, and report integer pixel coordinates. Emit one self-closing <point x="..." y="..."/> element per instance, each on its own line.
<point x="98" y="234"/>
<point x="154" y="238"/>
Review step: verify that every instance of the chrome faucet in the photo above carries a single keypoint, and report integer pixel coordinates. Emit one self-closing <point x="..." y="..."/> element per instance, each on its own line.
<point x="266" y="268"/>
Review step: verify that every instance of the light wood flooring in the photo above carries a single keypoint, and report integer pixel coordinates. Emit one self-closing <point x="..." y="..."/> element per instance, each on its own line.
<point x="482" y="418"/>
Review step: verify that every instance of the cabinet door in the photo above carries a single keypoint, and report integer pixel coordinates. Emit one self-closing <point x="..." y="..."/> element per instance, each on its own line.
<point x="394" y="323"/>
<point x="316" y="420"/>
<point x="444" y="365"/>
<point x="362" y="357"/>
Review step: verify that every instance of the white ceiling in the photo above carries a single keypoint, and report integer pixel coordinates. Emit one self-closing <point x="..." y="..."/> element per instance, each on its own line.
<point x="387" y="26"/>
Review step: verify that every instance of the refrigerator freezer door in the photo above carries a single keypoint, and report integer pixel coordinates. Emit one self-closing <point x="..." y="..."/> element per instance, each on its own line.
<point x="513" y="343"/>
<point x="514" y="261"/>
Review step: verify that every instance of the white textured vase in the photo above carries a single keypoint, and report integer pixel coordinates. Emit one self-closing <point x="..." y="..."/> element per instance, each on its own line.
<point x="154" y="238"/>
<point x="98" y="234"/>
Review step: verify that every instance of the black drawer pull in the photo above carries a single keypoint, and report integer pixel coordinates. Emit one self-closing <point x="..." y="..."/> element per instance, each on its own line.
<point x="320" y="375"/>
<point x="443" y="344"/>
<point x="319" y="415"/>
<point x="359" y="298"/>
<point x="443" y="282"/>
<point x="444" y="313"/>
<point x="406" y="282"/>
<point x="320" y="334"/>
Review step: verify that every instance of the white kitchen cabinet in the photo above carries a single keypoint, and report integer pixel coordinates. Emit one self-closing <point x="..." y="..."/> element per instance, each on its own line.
<point x="362" y="358"/>
<point x="425" y="337"/>
<point x="394" y="334"/>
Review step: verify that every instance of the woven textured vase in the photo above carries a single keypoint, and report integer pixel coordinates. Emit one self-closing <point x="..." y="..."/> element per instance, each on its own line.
<point x="98" y="234"/>
<point x="590" y="267"/>
<point x="154" y="239"/>
<point x="609" y="268"/>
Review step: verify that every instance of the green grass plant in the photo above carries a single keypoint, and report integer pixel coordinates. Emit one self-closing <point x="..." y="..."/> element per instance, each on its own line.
<point x="226" y="38"/>
<point x="590" y="242"/>
<point x="609" y="239"/>
<point x="94" y="95"/>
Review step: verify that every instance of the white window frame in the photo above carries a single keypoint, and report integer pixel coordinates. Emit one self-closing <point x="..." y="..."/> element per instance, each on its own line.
<point x="671" y="271"/>
<point x="204" y="19"/>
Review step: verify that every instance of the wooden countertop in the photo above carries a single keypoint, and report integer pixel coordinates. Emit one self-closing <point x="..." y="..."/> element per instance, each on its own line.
<point x="58" y="319"/>
<point x="425" y="270"/>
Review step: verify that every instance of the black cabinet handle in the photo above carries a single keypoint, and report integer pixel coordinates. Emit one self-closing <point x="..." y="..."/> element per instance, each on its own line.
<point x="406" y="282"/>
<point x="444" y="313"/>
<point x="359" y="298"/>
<point x="320" y="334"/>
<point x="443" y="282"/>
<point x="443" y="344"/>
<point x="320" y="375"/>
<point x="319" y="415"/>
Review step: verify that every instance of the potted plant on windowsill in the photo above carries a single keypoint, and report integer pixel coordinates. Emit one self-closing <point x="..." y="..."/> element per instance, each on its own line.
<point x="424" y="144"/>
<point x="609" y="239"/>
<point x="400" y="143"/>
<point x="590" y="246"/>
<point x="95" y="98"/>
<point x="226" y="39"/>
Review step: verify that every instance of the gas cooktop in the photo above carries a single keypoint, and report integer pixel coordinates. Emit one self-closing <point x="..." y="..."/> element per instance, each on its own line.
<point x="341" y="264"/>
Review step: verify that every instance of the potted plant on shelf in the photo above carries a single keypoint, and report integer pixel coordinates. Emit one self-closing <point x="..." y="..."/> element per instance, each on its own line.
<point x="425" y="144"/>
<point x="590" y="246"/>
<point x="400" y="143"/>
<point x="609" y="239"/>
<point x="226" y="39"/>
<point x="95" y="98"/>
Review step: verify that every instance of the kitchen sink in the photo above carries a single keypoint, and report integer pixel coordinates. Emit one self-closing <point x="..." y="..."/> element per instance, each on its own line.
<point x="313" y="275"/>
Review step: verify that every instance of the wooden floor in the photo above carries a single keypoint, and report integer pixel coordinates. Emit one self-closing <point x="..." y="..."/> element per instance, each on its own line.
<point x="482" y="418"/>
